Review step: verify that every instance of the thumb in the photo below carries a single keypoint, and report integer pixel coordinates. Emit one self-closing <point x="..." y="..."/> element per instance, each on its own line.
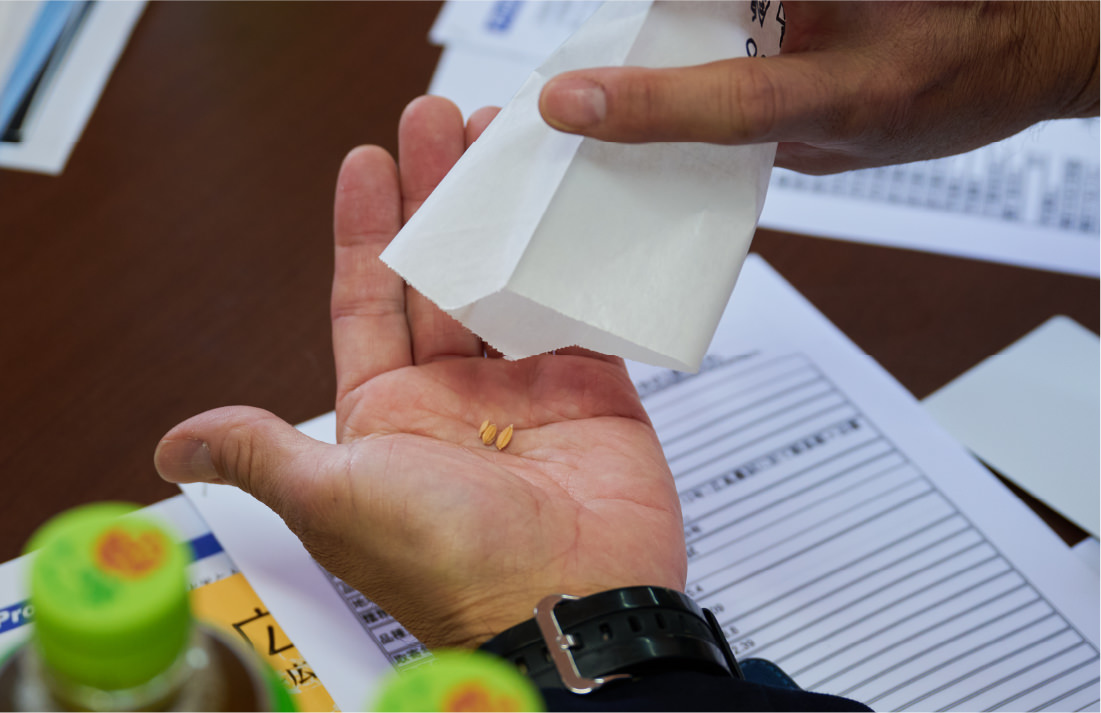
<point x="247" y="447"/>
<point x="732" y="101"/>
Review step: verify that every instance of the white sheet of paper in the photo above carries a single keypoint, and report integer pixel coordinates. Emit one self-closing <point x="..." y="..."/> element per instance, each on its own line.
<point x="1089" y="551"/>
<point x="75" y="90"/>
<point x="1033" y="412"/>
<point x="1031" y="200"/>
<point x="538" y="240"/>
<point x="490" y="48"/>
<point x="486" y="79"/>
<point x="529" y="30"/>
<point x="838" y="531"/>
<point x="488" y="53"/>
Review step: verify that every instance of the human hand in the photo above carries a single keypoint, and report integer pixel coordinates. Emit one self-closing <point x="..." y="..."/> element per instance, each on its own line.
<point x="857" y="84"/>
<point x="454" y="538"/>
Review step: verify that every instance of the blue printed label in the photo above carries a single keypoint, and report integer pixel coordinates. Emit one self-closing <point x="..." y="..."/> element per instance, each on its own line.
<point x="15" y="616"/>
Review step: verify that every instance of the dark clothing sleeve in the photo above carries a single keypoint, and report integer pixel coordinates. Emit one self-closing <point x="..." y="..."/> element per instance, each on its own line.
<point x="692" y="691"/>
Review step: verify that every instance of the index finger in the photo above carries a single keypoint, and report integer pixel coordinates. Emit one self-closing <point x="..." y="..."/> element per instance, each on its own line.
<point x="794" y="97"/>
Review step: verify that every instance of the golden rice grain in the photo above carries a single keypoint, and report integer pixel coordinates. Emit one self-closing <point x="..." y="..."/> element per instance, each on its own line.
<point x="504" y="437"/>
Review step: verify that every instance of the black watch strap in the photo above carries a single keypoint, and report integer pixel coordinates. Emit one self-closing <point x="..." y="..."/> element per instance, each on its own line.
<point x="581" y="643"/>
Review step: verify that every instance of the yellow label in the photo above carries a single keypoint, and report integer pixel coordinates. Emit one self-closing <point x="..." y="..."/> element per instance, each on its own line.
<point x="233" y="606"/>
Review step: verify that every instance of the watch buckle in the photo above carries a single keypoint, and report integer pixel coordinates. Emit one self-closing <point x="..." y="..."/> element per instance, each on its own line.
<point x="559" y="645"/>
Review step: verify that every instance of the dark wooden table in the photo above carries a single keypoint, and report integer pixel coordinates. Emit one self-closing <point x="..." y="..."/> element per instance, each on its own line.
<point x="182" y="261"/>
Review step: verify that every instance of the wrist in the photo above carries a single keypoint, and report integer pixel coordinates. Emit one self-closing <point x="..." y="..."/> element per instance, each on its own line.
<point x="1086" y="20"/>
<point x="582" y="643"/>
<point x="475" y="619"/>
<point x="1060" y="55"/>
<point x="478" y="621"/>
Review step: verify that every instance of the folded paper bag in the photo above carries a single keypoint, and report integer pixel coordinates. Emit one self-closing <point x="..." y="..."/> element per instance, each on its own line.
<point x="538" y="240"/>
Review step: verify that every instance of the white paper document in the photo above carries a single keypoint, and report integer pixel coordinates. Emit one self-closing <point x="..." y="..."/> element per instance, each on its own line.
<point x="1089" y="551"/>
<point x="491" y="47"/>
<point x="529" y="30"/>
<point x="1031" y="200"/>
<point x="841" y="534"/>
<point x="1033" y="412"/>
<point x="831" y="525"/>
<point x="538" y="240"/>
<point x="74" y="91"/>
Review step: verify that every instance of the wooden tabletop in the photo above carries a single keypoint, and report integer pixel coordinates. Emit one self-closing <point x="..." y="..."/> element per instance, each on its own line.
<point x="183" y="259"/>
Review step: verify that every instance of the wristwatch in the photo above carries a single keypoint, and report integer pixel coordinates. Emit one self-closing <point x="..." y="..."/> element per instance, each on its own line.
<point x="581" y="643"/>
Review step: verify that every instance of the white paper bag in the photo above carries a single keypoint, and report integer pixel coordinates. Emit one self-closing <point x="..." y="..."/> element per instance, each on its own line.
<point x="538" y="240"/>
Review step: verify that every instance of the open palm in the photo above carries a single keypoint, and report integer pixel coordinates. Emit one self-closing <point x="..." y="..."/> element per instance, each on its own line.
<point x="455" y="538"/>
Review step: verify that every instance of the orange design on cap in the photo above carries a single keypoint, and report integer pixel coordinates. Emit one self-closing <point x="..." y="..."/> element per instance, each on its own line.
<point x="473" y="696"/>
<point x="133" y="556"/>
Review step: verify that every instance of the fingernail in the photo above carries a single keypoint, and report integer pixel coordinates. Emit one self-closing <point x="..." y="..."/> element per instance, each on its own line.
<point x="574" y="104"/>
<point x="185" y="461"/>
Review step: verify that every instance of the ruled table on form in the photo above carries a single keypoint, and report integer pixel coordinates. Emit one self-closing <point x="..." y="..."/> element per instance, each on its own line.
<point x="821" y="546"/>
<point x="1031" y="188"/>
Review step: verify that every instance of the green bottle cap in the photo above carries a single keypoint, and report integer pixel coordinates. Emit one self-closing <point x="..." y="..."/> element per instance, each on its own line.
<point x="110" y="596"/>
<point x="459" y="681"/>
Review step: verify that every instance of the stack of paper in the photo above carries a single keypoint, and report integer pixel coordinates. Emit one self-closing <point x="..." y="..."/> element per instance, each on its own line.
<point x="55" y="58"/>
<point x="44" y="47"/>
